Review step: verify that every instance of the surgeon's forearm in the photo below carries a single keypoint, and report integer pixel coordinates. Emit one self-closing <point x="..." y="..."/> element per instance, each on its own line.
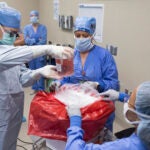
<point x="11" y="56"/>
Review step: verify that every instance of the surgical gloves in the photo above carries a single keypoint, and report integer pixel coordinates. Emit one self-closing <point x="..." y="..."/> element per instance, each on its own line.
<point x="73" y="110"/>
<point x="52" y="50"/>
<point x="110" y="95"/>
<point x="90" y="84"/>
<point x="48" y="71"/>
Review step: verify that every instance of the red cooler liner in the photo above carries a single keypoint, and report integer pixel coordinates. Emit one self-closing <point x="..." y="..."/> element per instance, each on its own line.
<point x="48" y="117"/>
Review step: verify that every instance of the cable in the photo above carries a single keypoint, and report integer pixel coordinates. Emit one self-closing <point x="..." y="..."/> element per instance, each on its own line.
<point x="22" y="147"/>
<point x="24" y="141"/>
<point x="34" y="145"/>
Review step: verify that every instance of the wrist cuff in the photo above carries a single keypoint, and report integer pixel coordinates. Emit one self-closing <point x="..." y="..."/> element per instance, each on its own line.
<point x="123" y="97"/>
<point x="75" y="121"/>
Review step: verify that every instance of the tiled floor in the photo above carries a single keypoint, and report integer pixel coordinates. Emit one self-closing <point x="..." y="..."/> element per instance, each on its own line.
<point x="119" y="124"/>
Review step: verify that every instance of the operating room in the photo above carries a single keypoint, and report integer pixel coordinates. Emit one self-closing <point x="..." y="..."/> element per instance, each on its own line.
<point x="122" y="27"/>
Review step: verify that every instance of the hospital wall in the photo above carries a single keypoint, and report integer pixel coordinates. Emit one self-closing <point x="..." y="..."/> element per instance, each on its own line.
<point x="126" y="25"/>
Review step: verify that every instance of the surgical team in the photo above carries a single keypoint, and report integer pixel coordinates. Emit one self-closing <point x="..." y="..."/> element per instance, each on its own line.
<point x="94" y="67"/>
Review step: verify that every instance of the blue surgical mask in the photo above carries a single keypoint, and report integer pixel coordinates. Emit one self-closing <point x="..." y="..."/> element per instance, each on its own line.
<point x="7" y="39"/>
<point x="34" y="19"/>
<point x="83" y="44"/>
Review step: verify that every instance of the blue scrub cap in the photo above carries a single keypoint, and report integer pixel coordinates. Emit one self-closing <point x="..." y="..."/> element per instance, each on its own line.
<point x="10" y="17"/>
<point x="142" y="105"/>
<point x="34" y="12"/>
<point x="87" y="24"/>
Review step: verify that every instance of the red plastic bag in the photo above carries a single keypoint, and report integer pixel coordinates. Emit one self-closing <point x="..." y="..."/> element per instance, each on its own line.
<point x="48" y="117"/>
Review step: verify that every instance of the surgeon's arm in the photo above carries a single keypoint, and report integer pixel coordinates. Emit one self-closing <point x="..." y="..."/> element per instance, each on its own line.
<point x="11" y="56"/>
<point x="28" y="41"/>
<point x="110" y="75"/>
<point x="43" y="37"/>
<point x="25" y="76"/>
<point x="75" y="137"/>
<point x="28" y="77"/>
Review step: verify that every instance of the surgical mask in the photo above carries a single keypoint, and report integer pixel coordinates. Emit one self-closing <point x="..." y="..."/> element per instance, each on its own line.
<point x="126" y="109"/>
<point x="83" y="44"/>
<point x="141" y="115"/>
<point x="34" y="19"/>
<point x="8" y="38"/>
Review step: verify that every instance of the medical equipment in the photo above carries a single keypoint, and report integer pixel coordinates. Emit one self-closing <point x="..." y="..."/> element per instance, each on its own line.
<point x="64" y="66"/>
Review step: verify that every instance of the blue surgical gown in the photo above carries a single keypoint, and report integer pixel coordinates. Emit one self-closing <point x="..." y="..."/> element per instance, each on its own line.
<point x="13" y="77"/>
<point x="99" y="67"/>
<point x="75" y="142"/>
<point x="36" y="38"/>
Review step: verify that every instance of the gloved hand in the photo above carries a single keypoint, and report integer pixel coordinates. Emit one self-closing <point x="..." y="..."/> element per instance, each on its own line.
<point x="91" y="84"/>
<point x="48" y="71"/>
<point x="73" y="110"/>
<point x="54" y="86"/>
<point x="52" y="50"/>
<point x="60" y="52"/>
<point x="110" y="95"/>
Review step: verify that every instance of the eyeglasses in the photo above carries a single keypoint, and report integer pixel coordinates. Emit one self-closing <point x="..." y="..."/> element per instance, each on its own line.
<point x="11" y="33"/>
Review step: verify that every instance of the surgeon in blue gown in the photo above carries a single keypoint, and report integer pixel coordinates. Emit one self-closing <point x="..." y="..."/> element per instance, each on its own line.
<point x="136" y="112"/>
<point x="14" y="75"/>
<point x="36" y="34"/>
<point x="93" y="65"/>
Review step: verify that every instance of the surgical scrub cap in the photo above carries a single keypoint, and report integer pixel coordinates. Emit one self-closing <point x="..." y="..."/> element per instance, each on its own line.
<point x="87" y="24"/>
<point x="10" y="17"/>
<point x="34" y="12"/>
<point x="142" y="105"/>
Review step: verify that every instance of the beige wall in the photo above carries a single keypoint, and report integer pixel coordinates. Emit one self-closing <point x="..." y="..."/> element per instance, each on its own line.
<point x="126" y="25"/>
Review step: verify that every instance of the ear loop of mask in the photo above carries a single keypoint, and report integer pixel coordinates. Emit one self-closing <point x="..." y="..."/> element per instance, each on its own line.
<point x="141" y="114"/>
